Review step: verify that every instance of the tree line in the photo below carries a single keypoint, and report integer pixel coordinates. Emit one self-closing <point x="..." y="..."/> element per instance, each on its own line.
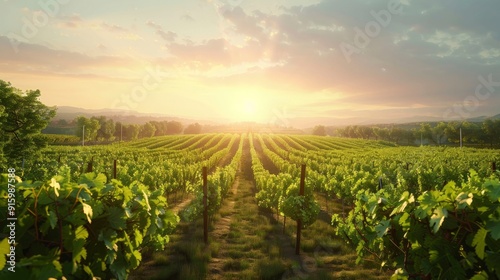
<point x="106" y="129"/>
<point x="485" y="133"/>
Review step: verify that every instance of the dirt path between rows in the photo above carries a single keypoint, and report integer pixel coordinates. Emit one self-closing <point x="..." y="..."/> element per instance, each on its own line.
<point x="233" y="223"/>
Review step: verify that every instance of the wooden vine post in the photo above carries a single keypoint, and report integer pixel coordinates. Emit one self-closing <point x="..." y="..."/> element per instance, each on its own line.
<point x="90" y="165"/>
<point x="114" y="169"/>
<point x="205" y="206"/>
<point x="493" y="166"/>
<point x="299" y="221"/>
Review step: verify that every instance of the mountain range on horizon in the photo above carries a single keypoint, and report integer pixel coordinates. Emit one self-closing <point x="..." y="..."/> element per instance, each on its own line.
<point x="69" y="113"/>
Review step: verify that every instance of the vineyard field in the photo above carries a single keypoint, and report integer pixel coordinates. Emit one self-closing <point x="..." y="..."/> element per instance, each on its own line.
<point x="367" y="209"/>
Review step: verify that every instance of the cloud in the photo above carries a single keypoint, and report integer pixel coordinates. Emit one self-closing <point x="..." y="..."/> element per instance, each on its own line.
<point x="168" y="36"/>
<point x="72" y="22"/>
<point x="36" y="59"/>
<point x="429" y="65"/>
<point x="187" y="17"/>
<point x="424" y="60"/>
<point x="113" y="28"/>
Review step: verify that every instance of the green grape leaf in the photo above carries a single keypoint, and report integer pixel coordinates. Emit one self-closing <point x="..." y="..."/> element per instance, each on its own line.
<point x="54" y="184"/>
<point x="437" y="218"/>
<point x="403" y="202"/>
<point x="44" y="198"/>
<point x="51" y="215"/>
<point x="492" y="262"/>
<point x="79" y="250"/>
<point x="97" y="208"/>
<point x="404" y="220"/>
<point x="493" y="226"/>
<point x="127" y="195"/>
<point x="87" y="210"/>
<point x="428" y="201"/>
<point x="464" y="200"/>
<point x="138" y="238"/>
<point x="116" y="218"/>
<point x="479" y="242"/>
<point x="92" y="180"/>
<point x="88" y="271"/>
<point x="433" y="256"/>
<point x="493" y="188"/>
<point x="480" y="276"/>
<point x="50" y="271"/>
<point x="146" y="200"/>
<point x="109" y="236"/>
<point x="81" y="233"/>
<point x="382" y="228"/>
<point x="83" y="193"/>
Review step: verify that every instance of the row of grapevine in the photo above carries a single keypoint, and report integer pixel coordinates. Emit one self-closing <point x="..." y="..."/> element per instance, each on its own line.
<point x="280" y="192"/>
<point x="219" y="184"/>
<point x="88" y="225"/>
<point x="84" y="229"/>
<point x="425" y="212"/>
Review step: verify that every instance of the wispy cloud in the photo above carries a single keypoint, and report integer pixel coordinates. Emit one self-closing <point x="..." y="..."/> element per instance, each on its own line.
<point x="426" y="59"/>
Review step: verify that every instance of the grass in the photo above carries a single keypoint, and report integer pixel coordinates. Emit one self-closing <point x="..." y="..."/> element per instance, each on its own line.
<point x="274" y="269"/>
<point x="247" y="242"/>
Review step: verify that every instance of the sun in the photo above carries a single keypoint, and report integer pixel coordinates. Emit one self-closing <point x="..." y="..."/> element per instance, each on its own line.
<point x="248" y="109"/>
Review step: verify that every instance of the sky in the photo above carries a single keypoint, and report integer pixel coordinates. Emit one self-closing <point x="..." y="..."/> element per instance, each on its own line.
<point x="286" y="62"/>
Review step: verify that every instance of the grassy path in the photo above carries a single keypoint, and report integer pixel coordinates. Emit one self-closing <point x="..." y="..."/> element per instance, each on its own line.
<point x="247" y="242"/>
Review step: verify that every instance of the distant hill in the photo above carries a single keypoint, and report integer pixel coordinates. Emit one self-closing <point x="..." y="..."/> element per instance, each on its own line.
<point x="69" y="113"/>
<point x="63" y="121"/>
<point x="406" y="123"/>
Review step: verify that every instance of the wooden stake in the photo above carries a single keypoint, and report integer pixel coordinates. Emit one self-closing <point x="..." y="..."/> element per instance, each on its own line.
<point x="299" y="221"/>
<point x="114" y="169"/>
<point x="89" y="166"/>
<point x="205" y="206"/>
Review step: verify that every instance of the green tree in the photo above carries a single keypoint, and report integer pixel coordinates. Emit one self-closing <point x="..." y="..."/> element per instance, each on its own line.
<point x="62" y="122"/>
<point x="396" y="134"/>
<point x="160" y="128"/>
<point x="87" y="126"/>
<point x="376" y="132"/>
<point x="491" y="131"/>
<point x="319" y="130"/>
<point x="384" y="134"/>
<point x="426" y="131"/>
<point x="147" y="130"/>
<point x="342" y="132"/>
<point x="366" y="132"/>
<point x="118" y="131"/>
<point x="452" y="132"/>
<point x="471" y="132"/>
<point x="194" y="128"/>
<point x="131" y="131"/>
<point x="22" y="118"/>
<point x="174" y="127"/>
<point x="438" y="133"/>
<point x="106" y="129"/>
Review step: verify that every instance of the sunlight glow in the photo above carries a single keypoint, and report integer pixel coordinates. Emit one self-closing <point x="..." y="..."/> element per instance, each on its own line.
<point x="249" y="108"/>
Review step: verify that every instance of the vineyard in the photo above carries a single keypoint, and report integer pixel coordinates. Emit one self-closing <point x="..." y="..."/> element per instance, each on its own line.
<point x="364" y="209"/>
